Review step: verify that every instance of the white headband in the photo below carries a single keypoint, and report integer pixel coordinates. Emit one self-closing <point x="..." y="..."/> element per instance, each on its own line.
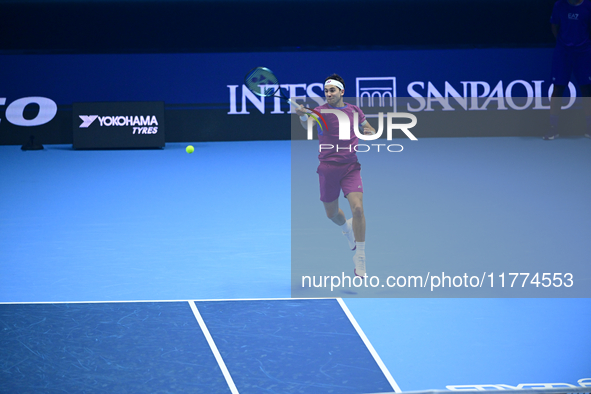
<point x="335" y="83"/>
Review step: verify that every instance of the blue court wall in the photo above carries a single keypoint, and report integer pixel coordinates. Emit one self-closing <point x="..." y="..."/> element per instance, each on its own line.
<point x="205" y="99"/>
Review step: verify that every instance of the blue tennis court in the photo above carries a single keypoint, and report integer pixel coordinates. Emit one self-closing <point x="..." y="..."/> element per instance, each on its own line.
<point x="139" y="270"/>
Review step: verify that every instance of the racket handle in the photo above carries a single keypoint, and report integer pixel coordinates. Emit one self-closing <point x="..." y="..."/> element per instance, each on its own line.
<point x="294" y="104"/>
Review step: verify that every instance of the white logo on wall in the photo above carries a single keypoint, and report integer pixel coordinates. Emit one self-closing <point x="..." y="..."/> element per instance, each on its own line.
<point x="376" y="92"/>
<point x="87" y="120"/>
<point x="467" y="95"/>
<point x="315" y="91"/>
<point x="140" y="123"/>
<point x="15" y="111"/>
<point x="424" y="96"/>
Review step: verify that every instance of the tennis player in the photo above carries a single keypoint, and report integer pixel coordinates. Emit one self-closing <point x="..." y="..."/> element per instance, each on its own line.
<point x="571" y="23"/>
<point x="339" y="168"/>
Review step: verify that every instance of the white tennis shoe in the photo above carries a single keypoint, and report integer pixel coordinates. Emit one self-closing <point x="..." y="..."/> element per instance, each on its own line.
<point x="359" y="260"/>
<point x="350" y="235"/>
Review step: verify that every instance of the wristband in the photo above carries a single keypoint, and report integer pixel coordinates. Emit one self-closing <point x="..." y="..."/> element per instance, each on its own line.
<point x="304" y="118"/>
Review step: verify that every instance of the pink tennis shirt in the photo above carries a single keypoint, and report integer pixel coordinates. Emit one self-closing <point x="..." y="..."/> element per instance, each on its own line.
<point x="342" y="151"/>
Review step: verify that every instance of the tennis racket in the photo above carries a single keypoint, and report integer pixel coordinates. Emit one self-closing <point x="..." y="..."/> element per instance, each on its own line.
<point x="262" y="82"/>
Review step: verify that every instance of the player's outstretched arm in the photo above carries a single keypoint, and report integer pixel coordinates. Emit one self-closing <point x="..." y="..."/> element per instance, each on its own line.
<point x="367" y="128"/>
<point x="303" y="116"/>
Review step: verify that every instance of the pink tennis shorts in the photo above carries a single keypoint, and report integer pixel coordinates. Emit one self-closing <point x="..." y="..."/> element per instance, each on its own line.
<point x="335" y="177"/>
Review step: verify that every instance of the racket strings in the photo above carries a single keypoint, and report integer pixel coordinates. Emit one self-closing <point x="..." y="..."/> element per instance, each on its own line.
<point x="262" y="82"/>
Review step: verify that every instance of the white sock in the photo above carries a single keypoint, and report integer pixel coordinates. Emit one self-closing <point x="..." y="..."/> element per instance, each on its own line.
<point x="346" y="227"/>
<point x="360" y="247"/>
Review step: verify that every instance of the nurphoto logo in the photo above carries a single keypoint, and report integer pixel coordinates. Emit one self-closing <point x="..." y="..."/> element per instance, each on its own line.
<point x="345" y="127"/>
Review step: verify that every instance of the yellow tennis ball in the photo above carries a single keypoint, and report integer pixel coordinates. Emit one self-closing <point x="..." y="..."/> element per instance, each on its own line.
<point x="190" y="149"/>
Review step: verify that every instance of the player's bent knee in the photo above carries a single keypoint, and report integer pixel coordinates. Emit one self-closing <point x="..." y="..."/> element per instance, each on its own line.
<point x="357" y="210"/>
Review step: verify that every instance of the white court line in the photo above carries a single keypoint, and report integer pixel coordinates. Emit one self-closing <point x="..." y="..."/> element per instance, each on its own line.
<point x="212" y="345"/>
<point x="369" y="347"/>
<point x="214" y="348"/>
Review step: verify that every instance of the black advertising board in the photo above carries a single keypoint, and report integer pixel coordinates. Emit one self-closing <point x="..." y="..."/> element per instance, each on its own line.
<point x="118" y="125"/>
